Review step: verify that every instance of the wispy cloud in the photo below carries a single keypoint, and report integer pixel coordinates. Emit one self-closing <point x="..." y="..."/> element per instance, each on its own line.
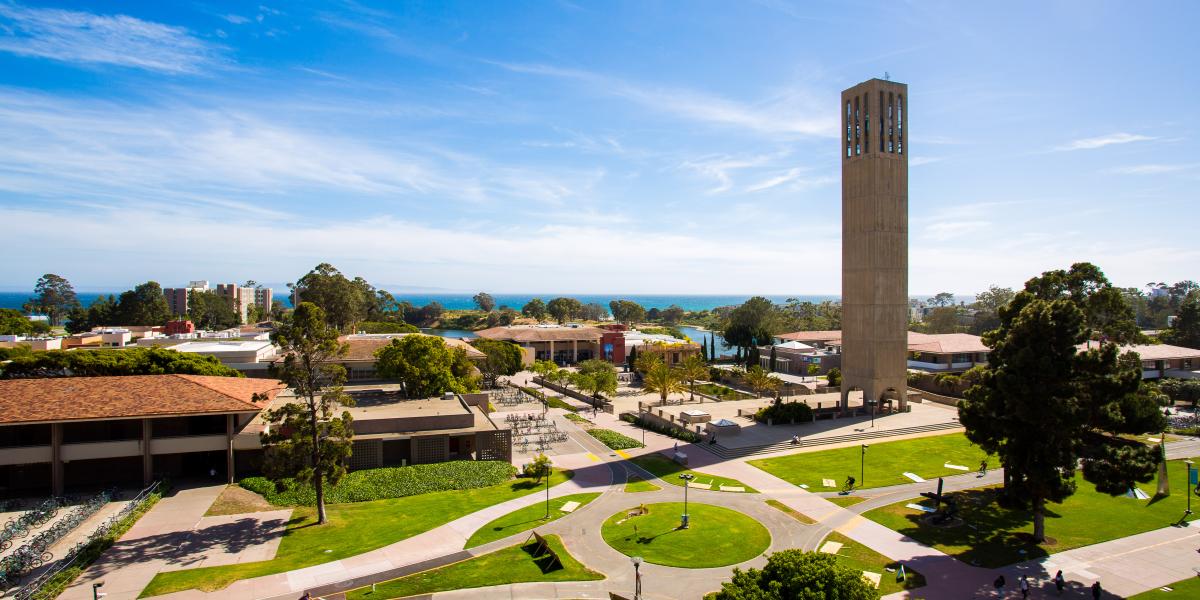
<point x="794" y="178"/>
<point x="790" y="113"/>
<point x="1102" y="141"/>
<point x="721" y="168"/>
<point x="1155" y="169"/>
<point x="93" y="39"/>
<point x="916" y="161"/>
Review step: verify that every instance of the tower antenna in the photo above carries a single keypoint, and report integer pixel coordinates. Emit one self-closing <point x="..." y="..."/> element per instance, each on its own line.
<point x="886" y="76"/>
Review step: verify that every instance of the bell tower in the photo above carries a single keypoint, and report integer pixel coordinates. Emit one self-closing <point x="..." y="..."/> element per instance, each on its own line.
<point x="874" y="155"/>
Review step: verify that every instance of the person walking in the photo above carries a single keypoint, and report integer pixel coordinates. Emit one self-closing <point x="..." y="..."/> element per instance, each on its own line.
<point x="983" y="467"/>
<point x="1023" y="583"/>
<point x="999" y="585"/>
<point x="1096" y="591"/>
<point x="1059" y="582"/>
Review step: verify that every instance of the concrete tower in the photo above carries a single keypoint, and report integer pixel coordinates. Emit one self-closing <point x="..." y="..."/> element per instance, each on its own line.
<point x="874" y="155"/>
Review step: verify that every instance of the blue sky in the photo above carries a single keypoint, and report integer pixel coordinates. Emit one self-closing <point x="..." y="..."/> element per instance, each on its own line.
<point x="623" y="147"/>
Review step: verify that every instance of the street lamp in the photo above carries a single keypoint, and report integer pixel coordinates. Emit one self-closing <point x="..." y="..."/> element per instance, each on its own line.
<point x="637" y="578"/>
<point x="96" y="593"/>
<point x="871" y="403"/>
<point x="862" y="466"/>
<point x="549" y="471"/>
<point x="1190" y="483"/>
<point x="687" y="478"/>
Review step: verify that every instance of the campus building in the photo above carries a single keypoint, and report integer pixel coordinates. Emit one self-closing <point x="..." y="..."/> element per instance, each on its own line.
<point x="563" y="344"/>
<point x="359" y="361"/>
<point x="875" y="308"/>
<point x="1164" y="360"/>
<point x="929" y="352"/>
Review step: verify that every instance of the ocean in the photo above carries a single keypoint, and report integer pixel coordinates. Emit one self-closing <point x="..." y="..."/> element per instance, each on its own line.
<point x="464" y="301"/>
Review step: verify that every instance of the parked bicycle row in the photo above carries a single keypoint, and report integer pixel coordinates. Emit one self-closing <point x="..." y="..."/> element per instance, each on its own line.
<point x="527" y="417"/>
<point x="36" y="552"/>
<point x="21" y="525"/>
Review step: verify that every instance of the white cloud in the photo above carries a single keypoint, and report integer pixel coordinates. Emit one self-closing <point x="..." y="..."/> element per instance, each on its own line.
<point x="236" y="19"/>
<point x="87" y="38"/>
<point x="1102" y="141"/>
<point x="916" y="161"/>
<point x="721" y="168"/>
<point x="788" y="113"/>
<point x="794" y="178"/>
<point x="1154" y="169"/>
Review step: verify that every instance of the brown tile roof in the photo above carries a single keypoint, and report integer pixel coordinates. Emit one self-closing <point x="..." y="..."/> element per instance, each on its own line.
<point x="94" y="398"/>
<point x="936" y="343"/>
<point x="831" y="335"/>
<point x="525" y="334"/>
<point x="364" y="348"/>
<point x="1157" y="351"/>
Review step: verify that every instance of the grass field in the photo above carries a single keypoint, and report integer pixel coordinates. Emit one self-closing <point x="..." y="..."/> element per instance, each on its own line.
<point x="1187" y="588"/>
<point x="669" y="471"/>
<point x="510" y="565"/>
<point x="994" y="536"/>
<point x="717" y="536"/>
<point x="352" y="528"/>
<point x="637" y="484"/>
<point x="524" y="519"/>
<point x="885" y="463"/>
<point x="846" y="501"/>
<point x="861" y="558"/>
<point x="793" y="513"/>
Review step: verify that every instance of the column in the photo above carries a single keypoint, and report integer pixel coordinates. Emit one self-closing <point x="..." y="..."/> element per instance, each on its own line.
<point x="574" y="351"/>
<point x="229" y="448"/>
<point x="56" y="464"/>
<point x="147" y="458"/>
<point x="552" y="352"/>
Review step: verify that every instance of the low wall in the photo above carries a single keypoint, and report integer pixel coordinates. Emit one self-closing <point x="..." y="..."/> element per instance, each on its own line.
<point x="600" y="404"/>
<point x="657" y="416"/>
<point x="932" y="397"/>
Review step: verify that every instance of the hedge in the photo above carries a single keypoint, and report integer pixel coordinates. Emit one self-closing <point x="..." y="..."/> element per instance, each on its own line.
<point x="782" y="413"/>
<point x="614" y="440"/>
<point x="389" y="482"/>
<point x="679" y="434"/>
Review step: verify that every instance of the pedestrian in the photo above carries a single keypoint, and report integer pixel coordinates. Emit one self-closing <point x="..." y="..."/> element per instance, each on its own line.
<point x="1096" y="591"/>
<point x="306" y="596"/>
<point x="1023" y="583"/>
<point x="999" y="585"/>
<point x="1059" y="582"/>
<point x="983" y="467"/>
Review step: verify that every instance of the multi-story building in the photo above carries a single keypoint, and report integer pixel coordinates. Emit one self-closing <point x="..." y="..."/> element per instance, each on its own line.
<point x="239" y="297"/>
<point x="263" y="298"/>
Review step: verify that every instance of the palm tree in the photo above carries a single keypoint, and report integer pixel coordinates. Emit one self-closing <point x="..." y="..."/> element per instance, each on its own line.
<point x="658" y="377"/>
<point x="760" y="380"/>
<point x="691" y="369"/>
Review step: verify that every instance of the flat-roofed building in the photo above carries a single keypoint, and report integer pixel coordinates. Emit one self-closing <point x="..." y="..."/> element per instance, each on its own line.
<point x="563" y="344"/>
<point x="70" y="432"/>
<point x="670" y="349"/>
<point x="932" y="352"/>
<point x="360" y="360"/>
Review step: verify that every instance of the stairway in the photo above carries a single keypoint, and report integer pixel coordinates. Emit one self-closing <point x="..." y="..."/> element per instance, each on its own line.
<point x="729" y="453"/>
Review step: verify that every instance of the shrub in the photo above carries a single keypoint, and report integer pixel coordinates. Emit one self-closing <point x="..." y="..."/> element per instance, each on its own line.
<point x="614" y="440"/>
<point x="798" y="412"/>
<point x="388" y="482"/>
<point x="834" y="376"/>
<point x="578" y="419"/>
<point x="537" y="468"/>
<point x="386" y="327"/>
<point x="679" y="434"/>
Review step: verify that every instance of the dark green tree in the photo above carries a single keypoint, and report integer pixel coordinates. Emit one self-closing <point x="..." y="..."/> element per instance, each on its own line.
<point x="484" y="301"/>
<point x="563" y="309"/>
<point x="143" y="305"/>
<point x="503" y="358"/>
<point x="426" y="366"/>
<point x="307" y="442"/>
<point x="672" y="315"/>
<point x="209" y="310"/>
<point x="53" y="297"/>
<point x="942" y="299"/>
<point x="627" y="311"/>
<point x="103" y="311"/>
<point x="1186" y="329"/>
<point x="1107" y="316"/>
<point x="1044" y="406"/>
<point x="534" y="309"/>
<point x="507" y="315"/>
<point x="750" y="325"/>
<point x="771" y="364"/>
<point x="343" y="302"/>
<point x="106" y="362"/>
<point x="987" y="308"/>
<point x="798" y="575"/>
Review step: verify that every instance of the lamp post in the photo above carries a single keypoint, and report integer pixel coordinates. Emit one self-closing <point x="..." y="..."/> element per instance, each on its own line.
<point x="871" y="403"/>
<point x="1188" y="512"/>
<point x="637" y="578"/>
<point x="549" y="471"/>
<point x="687" y="478"/>
<point x="862" y="466"/>
<point x="96" y="593"/>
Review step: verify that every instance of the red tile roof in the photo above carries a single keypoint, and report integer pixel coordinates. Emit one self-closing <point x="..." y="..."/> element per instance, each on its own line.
<point x="935" y="343"/>
<point x="365" y="348"/>
<point x="528" y="334"/>
<point x="94" y="398"/>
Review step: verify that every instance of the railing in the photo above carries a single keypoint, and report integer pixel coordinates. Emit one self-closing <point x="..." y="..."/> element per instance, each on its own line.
<point x="73" y="555"/>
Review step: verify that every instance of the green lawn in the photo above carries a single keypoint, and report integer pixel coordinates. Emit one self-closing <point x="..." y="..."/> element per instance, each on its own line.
<point x="524" y="519"/>
<point x="669" y="471"/>
<point x="1189" y="587"/>
<point x="861" y="558"/>
<point x="993" y="536"/>
<point x="846" y="501"/>
<point x="722" y="392"/>
<point x="510" y="565"/>
<point x="885" y="463"/>
<point x="793" y="513"/>
<point x="352" y="528"/>
<point x="636" y="484"/>
<point x="717" y="536"/>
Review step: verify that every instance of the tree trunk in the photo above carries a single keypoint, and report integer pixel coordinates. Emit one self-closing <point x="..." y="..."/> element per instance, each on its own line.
<point x="318" y="476"/>
<point x="1039" y="520"/>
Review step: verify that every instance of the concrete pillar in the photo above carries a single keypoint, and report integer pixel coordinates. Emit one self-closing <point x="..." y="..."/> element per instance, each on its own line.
<point x="229" y="448"/>
<point x="147" y="458"/>
<point x="56" y="464"/>
<point x="574" y="351"/>
<point x="552" y="351"/>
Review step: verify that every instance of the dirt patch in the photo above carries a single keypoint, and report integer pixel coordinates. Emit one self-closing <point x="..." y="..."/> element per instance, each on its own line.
<point x="236" y="500"/>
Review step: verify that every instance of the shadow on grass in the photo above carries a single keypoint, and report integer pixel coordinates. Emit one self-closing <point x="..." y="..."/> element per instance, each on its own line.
<point x="988" y="536"/>
<point x="544" y="557"/>
<point x="511" y="525"/>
